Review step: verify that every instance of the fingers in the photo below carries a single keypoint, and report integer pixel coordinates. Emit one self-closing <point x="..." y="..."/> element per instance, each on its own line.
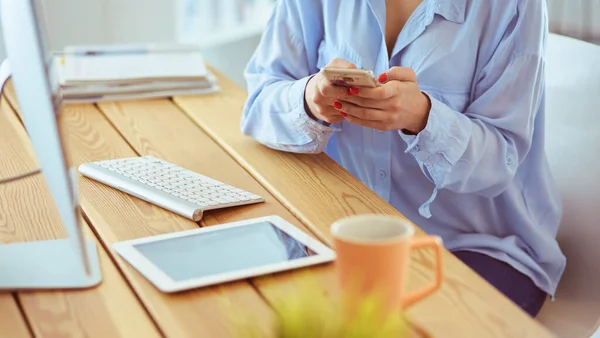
<point x="398" y="74"/>
<point x="340" y="63"/>
<point x="361" y="112"/>
<point x="393" y="81"/>
<point x="366" y="102"/>
<point x="322" y="100"/>
<point x="328" y="113"/>
<point x="391" y="89"/>
<point x="320" y="106"/>
<point x="380" y="93"/>
<point x="327" y="89"/>
<point x="368" y="117"/>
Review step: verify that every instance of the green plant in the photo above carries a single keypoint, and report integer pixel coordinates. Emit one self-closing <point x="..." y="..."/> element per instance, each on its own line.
<point x="311" y="313"/>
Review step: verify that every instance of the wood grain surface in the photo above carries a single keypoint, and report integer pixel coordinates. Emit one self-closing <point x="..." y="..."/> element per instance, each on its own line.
<point x="12" y="323"/>
<point x="158" y="128"/>
<point x="28" y="214"/>
<point x="312" y="188"/>
<point x="116" y="216"/>
<point x="318" y="191"/>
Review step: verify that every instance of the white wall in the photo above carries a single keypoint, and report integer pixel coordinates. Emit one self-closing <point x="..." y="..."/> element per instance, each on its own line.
<point x="576" y="18"/>
<point x="2" y="51"/>
<point x="73" y="22"/>
<point x="127" y="21"/>
<point x="81" y="22"/>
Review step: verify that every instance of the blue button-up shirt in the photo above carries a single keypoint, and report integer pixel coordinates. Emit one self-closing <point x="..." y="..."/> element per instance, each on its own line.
<point x="477" y="174"/>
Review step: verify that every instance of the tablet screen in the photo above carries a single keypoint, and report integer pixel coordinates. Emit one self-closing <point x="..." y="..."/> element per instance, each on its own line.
<point x="227" y="250"/>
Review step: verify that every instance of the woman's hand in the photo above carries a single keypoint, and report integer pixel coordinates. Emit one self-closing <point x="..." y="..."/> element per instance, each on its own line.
<point x="320" y="95"/>
<point x="398" y="104"/>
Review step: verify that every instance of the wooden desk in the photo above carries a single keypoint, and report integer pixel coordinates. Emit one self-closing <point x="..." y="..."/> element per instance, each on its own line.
<point x="309" y="191"/>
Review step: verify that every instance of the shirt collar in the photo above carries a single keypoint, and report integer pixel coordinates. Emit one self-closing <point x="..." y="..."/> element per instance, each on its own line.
<point x="451" y="10"/>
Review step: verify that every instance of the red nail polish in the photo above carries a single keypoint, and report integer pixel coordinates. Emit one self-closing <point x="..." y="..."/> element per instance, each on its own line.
<point x="337" y="105"/>
<point x="354" y="90"/>
<point x="382" y="78"/>
<point x="343" y="114"/>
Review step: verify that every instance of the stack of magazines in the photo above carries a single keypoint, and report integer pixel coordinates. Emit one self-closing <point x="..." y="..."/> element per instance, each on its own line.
<point x="126" y="72"/>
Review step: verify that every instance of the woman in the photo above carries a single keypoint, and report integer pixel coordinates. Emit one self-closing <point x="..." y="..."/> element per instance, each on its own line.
<point x="454" y="136"/>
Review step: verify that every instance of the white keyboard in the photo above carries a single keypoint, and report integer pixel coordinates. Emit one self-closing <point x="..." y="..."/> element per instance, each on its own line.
<point x="167" y="185"/>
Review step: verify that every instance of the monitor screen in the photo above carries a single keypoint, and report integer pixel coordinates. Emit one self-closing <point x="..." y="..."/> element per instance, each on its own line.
<point x="221" y="251"/>
<point x="37" y="89"/>
<point x="51" y="69"/>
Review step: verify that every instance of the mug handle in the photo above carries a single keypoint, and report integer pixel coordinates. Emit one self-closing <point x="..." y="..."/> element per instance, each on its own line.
<point x="419" y="243"/>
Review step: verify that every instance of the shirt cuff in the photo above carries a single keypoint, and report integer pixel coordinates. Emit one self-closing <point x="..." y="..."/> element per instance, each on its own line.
<point x="440" y="145"/>
<point x="321" y="132"/>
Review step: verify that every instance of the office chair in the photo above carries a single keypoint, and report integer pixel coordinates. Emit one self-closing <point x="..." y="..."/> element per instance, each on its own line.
<point x="573" y="149"/>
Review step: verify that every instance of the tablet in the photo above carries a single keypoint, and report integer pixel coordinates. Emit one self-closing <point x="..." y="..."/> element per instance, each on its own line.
<point x="222" y="253"/>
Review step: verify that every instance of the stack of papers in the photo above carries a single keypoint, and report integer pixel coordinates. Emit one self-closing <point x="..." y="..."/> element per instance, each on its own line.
<point x="94" y="74"/>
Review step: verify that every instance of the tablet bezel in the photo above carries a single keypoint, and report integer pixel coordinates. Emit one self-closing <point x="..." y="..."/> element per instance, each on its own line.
<point x="163" y="282"/>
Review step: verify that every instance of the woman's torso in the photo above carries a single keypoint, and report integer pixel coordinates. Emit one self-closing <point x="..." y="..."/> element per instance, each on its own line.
<point x="449" y="44"/>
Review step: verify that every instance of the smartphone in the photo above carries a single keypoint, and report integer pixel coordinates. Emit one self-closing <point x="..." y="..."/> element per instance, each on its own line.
<point x="350" y="77"/>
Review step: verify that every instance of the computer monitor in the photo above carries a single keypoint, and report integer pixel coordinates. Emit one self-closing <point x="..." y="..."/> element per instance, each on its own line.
<point x="65" y="263"/>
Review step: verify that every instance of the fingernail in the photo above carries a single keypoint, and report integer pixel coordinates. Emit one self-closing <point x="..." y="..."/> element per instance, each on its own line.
<point x="354" y="91"/>
<point x="337" y="105"/>
<point x="343" y="114"/>
<point x="382" y="78"/>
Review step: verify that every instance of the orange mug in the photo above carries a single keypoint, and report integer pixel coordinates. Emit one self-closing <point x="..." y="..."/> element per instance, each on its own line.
<point x="373" y="255"/>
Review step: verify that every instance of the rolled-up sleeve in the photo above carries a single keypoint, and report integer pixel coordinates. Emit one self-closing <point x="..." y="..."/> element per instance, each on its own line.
<point x="479" y="150"/>
<point x="277" y="75"/>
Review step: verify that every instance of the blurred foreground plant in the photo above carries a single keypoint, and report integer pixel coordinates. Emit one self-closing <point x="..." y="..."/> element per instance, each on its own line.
<point x="311" y="313"/>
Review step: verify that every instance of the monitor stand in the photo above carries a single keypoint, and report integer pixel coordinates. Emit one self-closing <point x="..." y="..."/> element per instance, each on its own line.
<point x="50" y="264"/>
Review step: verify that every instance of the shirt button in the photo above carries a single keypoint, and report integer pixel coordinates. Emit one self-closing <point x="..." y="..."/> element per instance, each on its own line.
<point x="416" y="148"/>
<point x="382" y="174"/>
